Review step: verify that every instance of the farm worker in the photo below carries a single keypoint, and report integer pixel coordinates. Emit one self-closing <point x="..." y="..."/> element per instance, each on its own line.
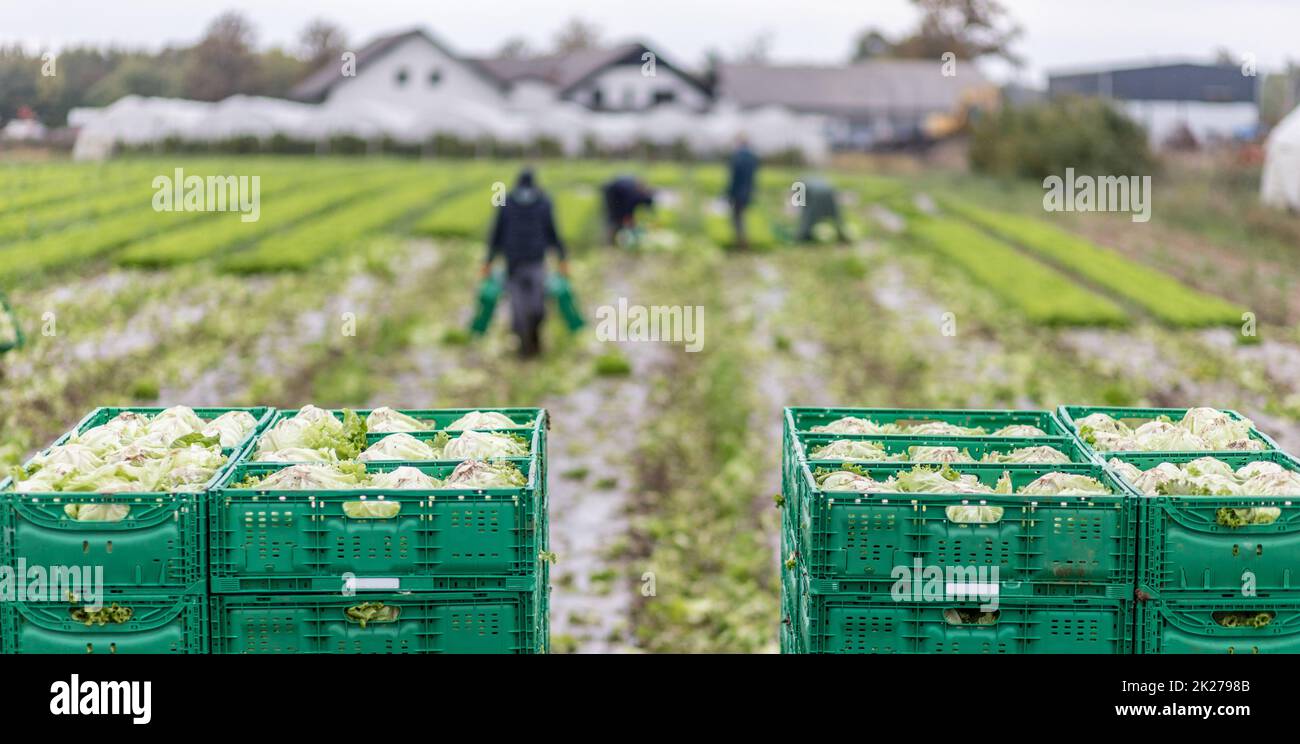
<point x="524" y="231"/>
<point x="622" y="197"/>
<point x="819" y="205"/>
<point x="740" y="189"/>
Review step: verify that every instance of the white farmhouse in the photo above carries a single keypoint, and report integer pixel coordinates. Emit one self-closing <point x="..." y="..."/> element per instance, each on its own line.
<point x="414" y="70"/>
<point x="628" y="77"/>
<point x="411" y="69"/>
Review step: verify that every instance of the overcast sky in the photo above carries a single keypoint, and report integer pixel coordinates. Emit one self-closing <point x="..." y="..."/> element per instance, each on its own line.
<point x="1058" y="33"/>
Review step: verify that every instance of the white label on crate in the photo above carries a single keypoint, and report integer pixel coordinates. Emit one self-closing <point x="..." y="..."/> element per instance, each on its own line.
<point x="973" y="590"/>
<point x="360" y="584"/>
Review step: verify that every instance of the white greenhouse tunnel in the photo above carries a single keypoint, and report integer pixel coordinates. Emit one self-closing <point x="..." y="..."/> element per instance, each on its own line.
<point x="135" y="120"/>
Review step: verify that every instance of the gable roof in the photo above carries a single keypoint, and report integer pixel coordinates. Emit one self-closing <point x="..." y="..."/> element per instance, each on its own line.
<point x="317" y="85"/>
<point x="568" y="71"/>
<point x="1181" y="81"/>
<point x="871" y="86"/>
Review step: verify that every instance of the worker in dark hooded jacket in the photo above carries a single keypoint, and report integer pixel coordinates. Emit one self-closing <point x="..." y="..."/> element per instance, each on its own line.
<point x="623" y="196"/>
<point x="524" y="231"/>
<point x="742" y="172"/>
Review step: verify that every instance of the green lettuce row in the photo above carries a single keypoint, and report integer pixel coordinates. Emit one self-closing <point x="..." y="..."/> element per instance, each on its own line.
<point x="466" y="215"/>
<point x="84" y="242"/>
<point x="303" y="247"/>
<point x="1040" y="292"/>
<point x="1159" y="294"/>
<point x="204" y="240"/>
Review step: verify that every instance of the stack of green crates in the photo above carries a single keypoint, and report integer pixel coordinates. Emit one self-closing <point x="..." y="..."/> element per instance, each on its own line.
<point x="455" y="570"/>
<point x="1065" y="564"/>
<point x="1196" y="572"/>
<point x="153" y="562"/>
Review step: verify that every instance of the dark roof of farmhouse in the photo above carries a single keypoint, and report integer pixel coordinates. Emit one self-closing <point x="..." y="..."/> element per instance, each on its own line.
<point x="564" y="71"/>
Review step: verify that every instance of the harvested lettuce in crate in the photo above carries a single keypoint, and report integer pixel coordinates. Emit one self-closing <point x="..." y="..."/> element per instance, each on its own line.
<point x="314" y="428"/>
<point x="174" y="451"/>
<point x="1210" y="476"/>
<point x="1199" y="430"/>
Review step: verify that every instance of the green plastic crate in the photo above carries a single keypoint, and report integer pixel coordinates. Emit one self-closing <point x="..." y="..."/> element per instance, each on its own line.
<point x="531" y="424"/>
<point x="1185" y="549"/>
<point x="1042" y="546"/>
<point x="849" y="623"/>
<point x="803" y="419"/>
<point x="976" y="447"/>
<point x="469" y="622"/>
<point x="301" y="541"/>
<point x="1190" y="627"/>
<point x="790" y="600"/>
<point x="19" y="339"/>
<point x="160" y="624"/>
<point x="1136" y="417"/>
<point x="160" y="548"/>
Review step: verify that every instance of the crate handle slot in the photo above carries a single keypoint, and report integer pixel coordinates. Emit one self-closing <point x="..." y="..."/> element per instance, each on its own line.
<point x="371" y="509"/>
<point x="1243" y="619"/>
<point x="371" y="613"/>
<point x="972" y="617"/>
<point x="973" y="514"/>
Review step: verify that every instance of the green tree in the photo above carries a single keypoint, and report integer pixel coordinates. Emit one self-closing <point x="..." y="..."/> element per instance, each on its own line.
<point x="1039" y="140"/>
<point x="970" y="29"/>
<point x="322" y="43"/>
<point x="224" y="62"/>
<point x="577" y="35"/>
<point x="871" y="44"/>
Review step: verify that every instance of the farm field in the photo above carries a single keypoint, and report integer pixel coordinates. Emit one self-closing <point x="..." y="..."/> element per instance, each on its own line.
<point x="355" y="285"/>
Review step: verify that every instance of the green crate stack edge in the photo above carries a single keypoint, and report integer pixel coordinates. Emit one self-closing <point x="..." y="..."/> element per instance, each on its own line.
<point x="295" y="603"/>
<point x="1035" y="614"/>
<point x="1190" y="566"/>
<point x="154" y="562"/>
<point x="19" y="338"/>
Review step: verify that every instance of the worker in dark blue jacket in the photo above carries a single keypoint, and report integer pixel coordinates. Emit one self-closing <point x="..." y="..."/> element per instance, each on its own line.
<point x="623" y="196"/>
<point x="523" y="232"/>
<point x="740" y="188"/>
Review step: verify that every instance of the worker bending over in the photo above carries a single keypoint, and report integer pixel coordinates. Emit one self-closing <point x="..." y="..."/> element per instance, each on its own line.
<point x="623" y="196"/>
<point x="819" y="205"/>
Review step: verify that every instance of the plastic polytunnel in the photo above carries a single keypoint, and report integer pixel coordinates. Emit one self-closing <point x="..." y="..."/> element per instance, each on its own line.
<point x="1280" y="182"/>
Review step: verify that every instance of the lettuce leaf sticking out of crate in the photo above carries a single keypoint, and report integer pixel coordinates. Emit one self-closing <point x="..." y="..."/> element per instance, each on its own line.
<point x="314" y="428"/>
